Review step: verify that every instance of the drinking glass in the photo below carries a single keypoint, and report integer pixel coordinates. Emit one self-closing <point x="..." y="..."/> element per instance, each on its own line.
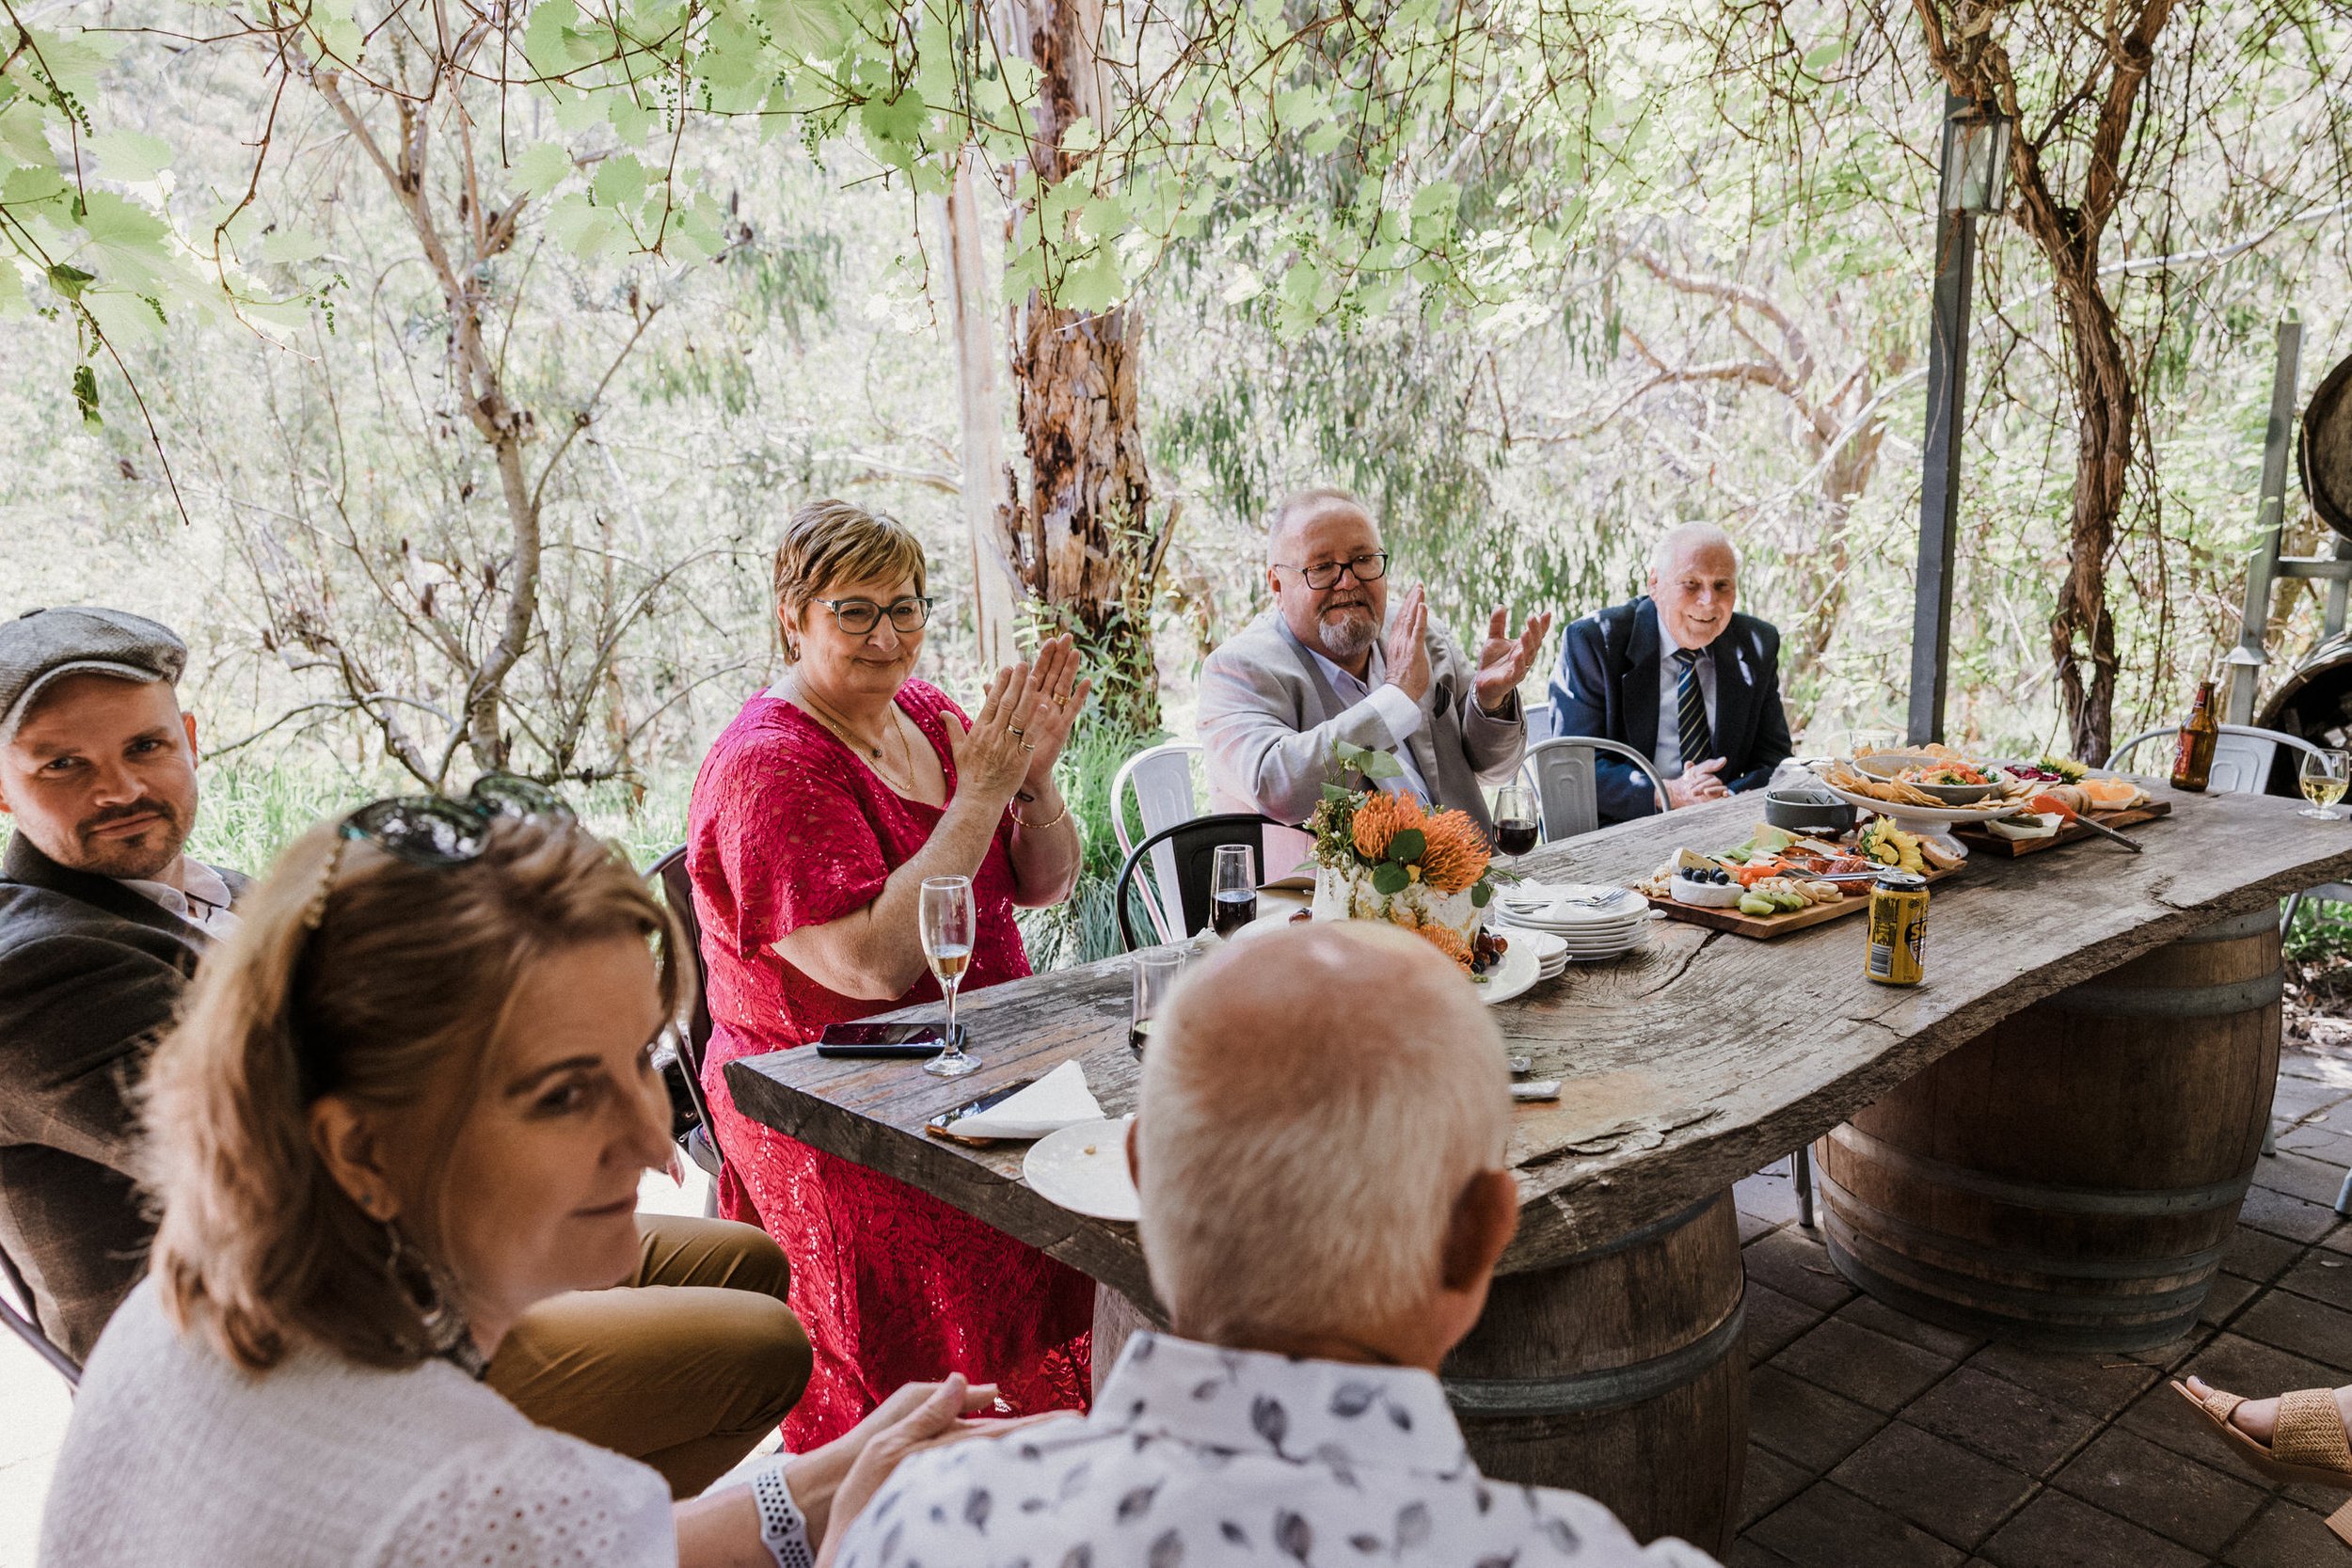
<point x="947" y="922"/>
<point x="1233" y="888"/>
<point x="1861" y="740"/>
<point x="1515" y="820"/>
<point x="2323" y="778"/>
<point x="1155" y="970"/>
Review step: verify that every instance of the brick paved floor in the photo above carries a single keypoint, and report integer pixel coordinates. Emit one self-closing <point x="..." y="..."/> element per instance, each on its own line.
<point x="1877" y="1441"/>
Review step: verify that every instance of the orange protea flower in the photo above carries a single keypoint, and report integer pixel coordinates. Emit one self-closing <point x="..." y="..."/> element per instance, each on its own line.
<point x="1457" y="856"/>
<point x="1446" y="940"/>
<point x="1380" y="818"/>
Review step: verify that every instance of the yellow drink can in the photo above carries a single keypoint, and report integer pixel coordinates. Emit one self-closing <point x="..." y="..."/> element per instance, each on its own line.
<point x="1897" y="954"/>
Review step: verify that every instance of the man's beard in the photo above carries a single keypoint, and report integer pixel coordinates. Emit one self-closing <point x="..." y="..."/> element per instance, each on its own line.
<point x="1350" y="635"/>
<point x="152" y="851"/>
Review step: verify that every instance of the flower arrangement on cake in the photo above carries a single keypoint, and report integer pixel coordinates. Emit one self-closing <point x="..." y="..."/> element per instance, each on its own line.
<point x="1386" y="857"/>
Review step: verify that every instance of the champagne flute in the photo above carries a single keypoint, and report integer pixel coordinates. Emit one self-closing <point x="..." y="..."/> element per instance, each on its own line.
<point x="1233" y="888"/>
<point x="1862" y="743"/>
<point x="1155" y="972"/>
<point x="1515" y="820"/>
<point x="2322" y="778"/>
<point x="947" y="924"/>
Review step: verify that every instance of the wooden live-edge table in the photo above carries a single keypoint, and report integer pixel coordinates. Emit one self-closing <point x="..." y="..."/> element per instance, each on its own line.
<point x="1609" y="1358"/>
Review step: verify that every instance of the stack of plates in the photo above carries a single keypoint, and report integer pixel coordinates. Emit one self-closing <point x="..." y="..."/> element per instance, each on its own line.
<point x="1588" y="921"/>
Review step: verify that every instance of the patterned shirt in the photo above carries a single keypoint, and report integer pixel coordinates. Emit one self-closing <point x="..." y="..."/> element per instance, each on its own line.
<point x="1214" y="1458"/>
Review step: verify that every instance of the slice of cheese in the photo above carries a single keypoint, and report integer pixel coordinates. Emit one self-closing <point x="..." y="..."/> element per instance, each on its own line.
<point x="2027" y="825"/>
<point x="1690" y="859"/>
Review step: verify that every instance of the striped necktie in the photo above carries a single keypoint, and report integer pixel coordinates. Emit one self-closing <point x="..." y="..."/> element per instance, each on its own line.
<point x="1698" y="741"/>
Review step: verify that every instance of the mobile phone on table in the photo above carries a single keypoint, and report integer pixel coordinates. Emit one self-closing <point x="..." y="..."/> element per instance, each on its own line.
<point x="882" y="1039"/>
<point x="944" y="1124"/>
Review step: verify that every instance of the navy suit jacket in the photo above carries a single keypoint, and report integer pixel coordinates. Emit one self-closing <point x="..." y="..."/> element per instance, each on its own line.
<point x="1607" y="686"/>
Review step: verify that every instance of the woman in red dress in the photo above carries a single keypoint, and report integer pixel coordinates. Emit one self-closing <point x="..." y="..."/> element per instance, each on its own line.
<point x="815" y="819"/>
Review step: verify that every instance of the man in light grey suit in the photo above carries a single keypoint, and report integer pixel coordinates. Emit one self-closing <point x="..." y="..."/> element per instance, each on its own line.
<point x="1330" y="663"/>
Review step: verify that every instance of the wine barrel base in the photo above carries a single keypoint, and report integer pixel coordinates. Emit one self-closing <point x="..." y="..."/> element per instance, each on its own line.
<point x="1621" y="1375"/>
<point x="2068" y="1179"/>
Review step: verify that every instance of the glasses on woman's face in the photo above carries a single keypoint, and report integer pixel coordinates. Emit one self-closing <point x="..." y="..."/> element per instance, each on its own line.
<point x="1325" y="574"/>
<point x="859" y="616"/>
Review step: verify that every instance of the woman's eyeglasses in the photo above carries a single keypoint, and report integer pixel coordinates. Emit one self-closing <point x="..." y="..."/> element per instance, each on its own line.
<point x="859" y="616"/>
<point x="1325" y="574"/>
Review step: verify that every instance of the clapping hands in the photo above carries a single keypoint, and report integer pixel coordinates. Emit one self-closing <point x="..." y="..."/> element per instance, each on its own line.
<point x="1504" y="661"/>
<point x="1023" y="724"/>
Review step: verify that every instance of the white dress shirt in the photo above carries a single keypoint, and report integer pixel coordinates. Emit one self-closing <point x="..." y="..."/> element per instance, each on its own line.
<point x="204" y="902"/>
<point x="1667" y="754"/>
<point x="1219" y="1458"/>
<point x="1398" y="711"/>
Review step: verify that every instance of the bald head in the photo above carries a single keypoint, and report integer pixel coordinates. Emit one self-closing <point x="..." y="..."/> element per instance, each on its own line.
<point x="1284" y="1084"/>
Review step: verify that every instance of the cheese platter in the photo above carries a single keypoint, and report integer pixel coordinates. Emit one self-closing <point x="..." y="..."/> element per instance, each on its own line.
<point x="1985" y="838"/>
<point x="1781" y="882"/>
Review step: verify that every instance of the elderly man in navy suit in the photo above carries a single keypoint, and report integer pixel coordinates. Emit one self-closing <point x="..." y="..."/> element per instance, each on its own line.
<point x="1680" y="675"/>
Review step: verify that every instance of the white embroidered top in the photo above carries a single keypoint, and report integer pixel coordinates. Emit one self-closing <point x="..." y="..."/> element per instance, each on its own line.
<point x="176" y="1457"/>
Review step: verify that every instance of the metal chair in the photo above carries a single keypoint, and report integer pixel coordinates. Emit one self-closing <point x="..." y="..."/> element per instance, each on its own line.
<point x="21" y="1323"/>
<point x="701" y="1143"/>
<point x="1564" y="772"/>
<point x="2243" y="756"/>
<point x="1160" y="778"/>
<point x="1191" y="847"/>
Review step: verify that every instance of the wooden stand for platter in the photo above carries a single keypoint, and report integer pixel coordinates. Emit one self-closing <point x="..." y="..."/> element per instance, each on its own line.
<point x="1764" y="928"/>
<point x="1984" y="839"/>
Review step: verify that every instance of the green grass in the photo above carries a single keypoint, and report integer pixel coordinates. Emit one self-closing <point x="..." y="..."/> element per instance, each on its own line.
<point x="250" y="809"/>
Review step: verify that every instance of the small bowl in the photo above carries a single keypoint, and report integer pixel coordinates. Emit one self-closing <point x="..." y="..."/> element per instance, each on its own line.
<point x="1705" y="895"/>
<point x="1797" y="812"/>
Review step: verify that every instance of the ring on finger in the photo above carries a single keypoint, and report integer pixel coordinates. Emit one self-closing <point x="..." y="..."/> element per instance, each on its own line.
<point x="1026" y="747"/>
<point x="1016" y="729"/>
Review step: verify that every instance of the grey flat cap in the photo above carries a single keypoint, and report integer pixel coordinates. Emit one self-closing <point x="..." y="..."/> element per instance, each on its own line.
<point x="43" y="645"/>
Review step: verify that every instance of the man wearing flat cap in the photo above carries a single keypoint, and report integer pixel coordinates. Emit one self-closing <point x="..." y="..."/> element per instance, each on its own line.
<point x="103" y="918"/>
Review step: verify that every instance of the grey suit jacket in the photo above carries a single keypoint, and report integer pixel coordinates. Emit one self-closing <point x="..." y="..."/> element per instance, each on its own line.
<point x="90" y="974"/>
<point x="1268" y="718"/>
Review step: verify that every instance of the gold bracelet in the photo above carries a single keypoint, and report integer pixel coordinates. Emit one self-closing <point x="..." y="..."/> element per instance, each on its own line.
<point x="1020" y="821"/>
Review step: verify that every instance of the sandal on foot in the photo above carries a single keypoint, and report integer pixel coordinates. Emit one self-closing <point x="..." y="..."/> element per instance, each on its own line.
<point x="2309" y="1444"/>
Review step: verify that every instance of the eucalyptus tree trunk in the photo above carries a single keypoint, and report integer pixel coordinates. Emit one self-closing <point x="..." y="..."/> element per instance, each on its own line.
<point x="1080" y="534"/>
<point x="2085" y="137"/>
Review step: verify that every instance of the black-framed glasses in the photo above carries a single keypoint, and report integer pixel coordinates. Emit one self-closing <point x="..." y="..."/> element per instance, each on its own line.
<point x="859" y="616"/>
<point x="1370" y="567"/>
<point x="435" y="830"/>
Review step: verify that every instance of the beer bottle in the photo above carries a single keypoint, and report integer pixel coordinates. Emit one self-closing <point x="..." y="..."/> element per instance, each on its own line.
<point x="2192" y="755"/>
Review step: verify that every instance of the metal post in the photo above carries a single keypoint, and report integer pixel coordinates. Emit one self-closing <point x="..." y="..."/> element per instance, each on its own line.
<point x="2247" y="659"/>
<point x="1939" y="475"/>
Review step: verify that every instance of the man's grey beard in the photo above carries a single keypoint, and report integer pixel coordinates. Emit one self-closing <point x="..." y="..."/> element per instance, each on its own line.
<point x="1350" y="636"/>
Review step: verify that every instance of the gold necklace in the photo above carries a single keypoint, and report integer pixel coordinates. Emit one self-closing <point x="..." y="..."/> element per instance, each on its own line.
<point x="850" y="736"/>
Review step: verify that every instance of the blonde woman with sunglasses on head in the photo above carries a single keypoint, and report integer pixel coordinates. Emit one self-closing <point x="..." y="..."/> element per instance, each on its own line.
<point x="412" y="1099"/>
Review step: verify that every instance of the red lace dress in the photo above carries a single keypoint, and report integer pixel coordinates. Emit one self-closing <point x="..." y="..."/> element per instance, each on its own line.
<point x="789" y="828"/>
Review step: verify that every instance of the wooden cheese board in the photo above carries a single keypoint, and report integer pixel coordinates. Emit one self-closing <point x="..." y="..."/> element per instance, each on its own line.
<point x="1985" y="840"/>
<point x="1765" y="927"/>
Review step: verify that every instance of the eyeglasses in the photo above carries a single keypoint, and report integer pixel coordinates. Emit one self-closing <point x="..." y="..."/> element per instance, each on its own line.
<point x="434" y="830"/>
<point x="859" y="616"/>
<point x="1325" y="574"/>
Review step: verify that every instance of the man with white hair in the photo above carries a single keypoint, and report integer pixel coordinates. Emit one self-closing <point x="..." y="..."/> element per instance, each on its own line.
<point x="1314" y="1279"/>
<point x="1330" y="663"/>
<point x="1679" y="676"/>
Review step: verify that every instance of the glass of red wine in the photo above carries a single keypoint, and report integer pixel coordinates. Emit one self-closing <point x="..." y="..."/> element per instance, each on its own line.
<point x="1516" y="831"/>
<point x="1233" y="888"/>
<point x="1156" y="972"/>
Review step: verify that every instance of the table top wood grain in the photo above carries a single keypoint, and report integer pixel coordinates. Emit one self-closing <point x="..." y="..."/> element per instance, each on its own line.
<point x="1686" y="1067"/>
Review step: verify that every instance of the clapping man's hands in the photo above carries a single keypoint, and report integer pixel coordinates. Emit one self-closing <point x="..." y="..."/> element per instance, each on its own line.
<point x="1504" y="660"/>
<point x="1404" y="652"/>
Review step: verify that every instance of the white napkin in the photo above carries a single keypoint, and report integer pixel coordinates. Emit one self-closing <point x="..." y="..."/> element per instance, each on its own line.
<point x="1058" y="1100"/>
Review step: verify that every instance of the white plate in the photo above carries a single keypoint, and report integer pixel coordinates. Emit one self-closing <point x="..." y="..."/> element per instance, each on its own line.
<point x="1546" y="947"/>
<point x="1518" y="971"/>
<point x="1927" y="819"/>
<point x="1083" y="1169"/>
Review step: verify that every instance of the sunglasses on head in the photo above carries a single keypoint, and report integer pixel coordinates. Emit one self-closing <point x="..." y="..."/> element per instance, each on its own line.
<point x="435" y="830"/>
